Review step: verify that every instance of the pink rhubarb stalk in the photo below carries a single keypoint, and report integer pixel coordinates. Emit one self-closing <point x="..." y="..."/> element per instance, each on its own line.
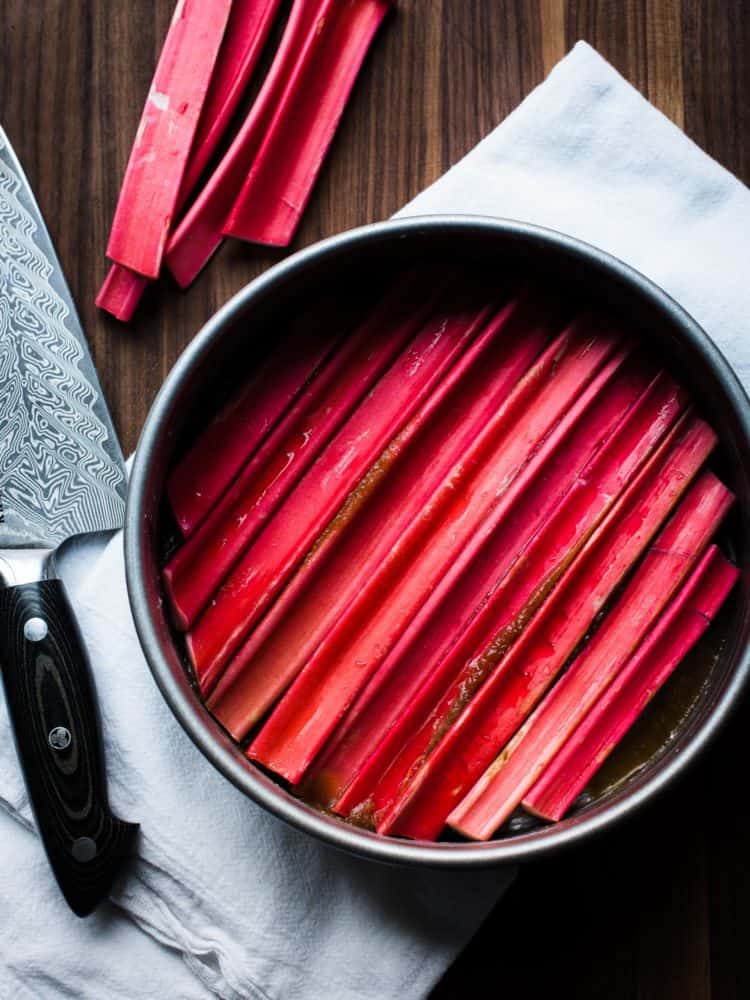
<point x="511" y="691"/>
<point x="201" y="477"/>
<point x="148" y="197"/>
<point x="563" y="494"/>
<point x="416" y="463"/>
<point x="664" y="568"/>
<point x="199" y="566"/>
<point x="269" y="562"/>
<point x="678" y="630"/>
<point x="270" y="205"/>
<point x="121" y="292"/>
<point x="198" y="235"/>
<point x="246" y="33"/>
<point x="342" y="664"/>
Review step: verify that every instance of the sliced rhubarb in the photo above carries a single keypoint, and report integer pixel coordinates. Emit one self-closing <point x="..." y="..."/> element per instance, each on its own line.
<point x="561" y="496"/>
<point x="416" y="463"/>
<point x="198" y="235"/>
<point x="148" y="197"/>
<point x="342" y="664"/>
<point x="121" y="292"/>
<point x="199" y="566"/>
<point x="269" y="562"/>
<point x="270" y="205"/>
<point x="247" y="31"/>
<point x="665" y="566"/>
<point x="678" y="630"/>
<point x="511" y="691"/>
<point x="227" y="443"/>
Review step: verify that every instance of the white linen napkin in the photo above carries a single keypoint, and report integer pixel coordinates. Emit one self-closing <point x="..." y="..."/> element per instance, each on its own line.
<point x="253" y="908"/>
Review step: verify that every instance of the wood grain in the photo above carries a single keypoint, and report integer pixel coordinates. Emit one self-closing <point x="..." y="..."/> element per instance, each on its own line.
<point x="661" y="908"/>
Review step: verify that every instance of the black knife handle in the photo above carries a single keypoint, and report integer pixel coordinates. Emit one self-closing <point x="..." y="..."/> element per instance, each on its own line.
<point x="50" y="697"/>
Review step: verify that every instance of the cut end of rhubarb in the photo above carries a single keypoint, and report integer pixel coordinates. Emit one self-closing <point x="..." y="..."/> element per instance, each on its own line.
<point x="121" y="292"/>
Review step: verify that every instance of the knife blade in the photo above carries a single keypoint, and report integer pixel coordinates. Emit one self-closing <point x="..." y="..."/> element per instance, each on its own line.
<point x="61" y="475"/>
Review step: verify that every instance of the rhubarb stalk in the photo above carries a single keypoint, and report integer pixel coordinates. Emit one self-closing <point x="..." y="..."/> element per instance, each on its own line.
<point x="246" y="33"/>
<point x="201" y="477"/>
<point x="677" y="631"/>
<point x="199" y="566"/>
<point x="342" y="664"/>
<point x="121" y="292"/>
<point x="511" y="691"/>
<point x="415" y="464"/>
<point x="198" y="235"/>
<point x="272" y="199"/>
<point x="664" y="568"/>
<point x="148" y="197"/>
<point x="562" y="495"/>
<point x="268" y="563"/>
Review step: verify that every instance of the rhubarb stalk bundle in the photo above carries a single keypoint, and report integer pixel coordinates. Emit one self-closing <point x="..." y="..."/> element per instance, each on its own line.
<point x="198" y="236"/>
<point x="269" y="206"/>
<point x="246" y="33"/>
<point x="414" y="465"/>
<point x="568" y="487"/>
<point x="203" y="561"/>
<point x="201" y="477"/>
<point x="675" y="634"/>
<point x="148" y="197"/>
<point x="511" y="691"/>
<point x="268" y="563"/>
<point x="665" y="566"/>
<point x="351" y="652"/>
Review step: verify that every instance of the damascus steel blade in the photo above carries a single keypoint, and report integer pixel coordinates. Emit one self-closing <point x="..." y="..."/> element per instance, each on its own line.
<point x="61" y="468"/>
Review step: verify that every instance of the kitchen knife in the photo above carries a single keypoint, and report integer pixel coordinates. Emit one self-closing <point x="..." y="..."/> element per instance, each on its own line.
<point x="61" y="475"/>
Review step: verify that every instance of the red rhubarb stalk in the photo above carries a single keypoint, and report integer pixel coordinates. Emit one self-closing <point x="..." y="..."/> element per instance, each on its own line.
<point x="269" y="206"/>
<point x="678" y="630"/>
<point x="121" y="292"/>
<point x="148" y="197"/>
<point x="510" y="692"/>
<point x="268" y="563"/>
<point x="198" y="481"/>
<point x="247" y="30"/>
<point x="417" y="461"/>
<point x="664" y="568"/>
<point x="199" y="566"/>
<point x="562" y="494"/>
<point x="342" y="664"/>
<point x="198" y="235"/>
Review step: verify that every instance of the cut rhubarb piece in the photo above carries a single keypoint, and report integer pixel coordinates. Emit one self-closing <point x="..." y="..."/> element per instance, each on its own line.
<point x="561" y="496"/>
<point x="198" y="235"/>
<point x="415" y="464"/>
<point x="269" y="562"/>
<point x="664" y="568"/>
<point x="511" y="691"/>
<point x="379" y="612"/>
<point x="148" y="197"/>
<point x="121" y="292"/>
<point x="676" y="633"/>
<point x="270" y="205"/>
<point x="247" y="31"/>
<point x="197" y="568"/>
<point x="229" y="441"/>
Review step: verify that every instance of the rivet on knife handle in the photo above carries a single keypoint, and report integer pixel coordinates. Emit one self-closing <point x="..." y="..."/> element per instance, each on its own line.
<point x="50" y="699"/>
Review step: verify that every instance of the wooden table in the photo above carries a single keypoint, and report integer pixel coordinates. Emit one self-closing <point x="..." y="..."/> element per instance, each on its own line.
<point x="661" y="908"/>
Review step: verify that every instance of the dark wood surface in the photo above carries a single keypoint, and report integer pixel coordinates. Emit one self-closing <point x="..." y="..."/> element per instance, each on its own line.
<point x="661" y="908"/>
